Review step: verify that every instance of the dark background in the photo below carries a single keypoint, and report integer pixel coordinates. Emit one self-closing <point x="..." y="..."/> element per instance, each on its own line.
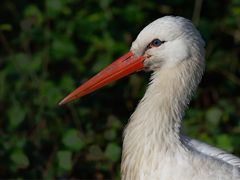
<point x="50" y="47"/>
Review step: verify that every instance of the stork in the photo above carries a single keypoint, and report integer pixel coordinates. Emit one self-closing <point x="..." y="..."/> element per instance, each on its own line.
<point x="154" y="147"/>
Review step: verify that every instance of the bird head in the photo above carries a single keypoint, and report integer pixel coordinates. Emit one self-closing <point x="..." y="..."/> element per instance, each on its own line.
<point x="164" y="43"/>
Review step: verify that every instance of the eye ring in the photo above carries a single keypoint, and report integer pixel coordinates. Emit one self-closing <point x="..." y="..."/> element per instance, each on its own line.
<point x="156" y="43"/>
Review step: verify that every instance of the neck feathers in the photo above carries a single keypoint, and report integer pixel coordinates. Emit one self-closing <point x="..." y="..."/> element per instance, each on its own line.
<point x="154" y="127"/>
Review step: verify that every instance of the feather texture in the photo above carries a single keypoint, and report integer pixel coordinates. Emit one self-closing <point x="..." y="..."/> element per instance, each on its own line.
<point x="214" y="152"/>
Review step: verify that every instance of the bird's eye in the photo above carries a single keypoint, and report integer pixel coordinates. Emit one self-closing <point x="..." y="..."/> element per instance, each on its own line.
<point x="156" y="43"/>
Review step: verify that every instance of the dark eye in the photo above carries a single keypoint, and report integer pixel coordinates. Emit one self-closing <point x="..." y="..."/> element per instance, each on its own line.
<point x="156" y="43"/>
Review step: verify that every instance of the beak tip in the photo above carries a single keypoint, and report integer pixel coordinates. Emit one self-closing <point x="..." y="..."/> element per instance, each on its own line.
<point x="64" y="101"/>
<point x="67" y="99"/>
<point x="61" y="103"/>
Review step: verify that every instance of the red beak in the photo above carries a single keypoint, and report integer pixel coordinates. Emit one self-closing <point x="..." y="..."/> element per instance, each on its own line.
<point x="121" y="67"/>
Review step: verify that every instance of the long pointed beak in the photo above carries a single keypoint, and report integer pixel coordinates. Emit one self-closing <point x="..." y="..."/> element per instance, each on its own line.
<point x="121" y="67"/>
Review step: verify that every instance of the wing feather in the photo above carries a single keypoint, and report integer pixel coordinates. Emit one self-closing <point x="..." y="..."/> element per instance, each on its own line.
<point x="214" y="152"/>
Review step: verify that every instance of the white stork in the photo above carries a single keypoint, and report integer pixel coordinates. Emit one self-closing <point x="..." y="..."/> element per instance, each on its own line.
<point x="154" y="146"/>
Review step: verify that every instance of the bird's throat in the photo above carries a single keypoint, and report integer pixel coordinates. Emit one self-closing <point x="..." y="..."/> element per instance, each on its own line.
<point x="154" y="127"/>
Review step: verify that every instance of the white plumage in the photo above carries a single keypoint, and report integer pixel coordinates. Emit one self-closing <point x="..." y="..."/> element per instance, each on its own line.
<point x="154" y="146"/>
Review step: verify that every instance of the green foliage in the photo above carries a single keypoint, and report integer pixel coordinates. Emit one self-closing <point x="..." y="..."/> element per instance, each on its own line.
<point x="19" y="160"/>
<point x="50" y="47"/>
<point x="64" y="160"/>
<point x="112" y="152"/>
<point x="72" y="140"/>
<point x="15" y="116"/>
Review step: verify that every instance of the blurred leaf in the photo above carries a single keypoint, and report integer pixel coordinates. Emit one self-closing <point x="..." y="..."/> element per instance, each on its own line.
<point x="113" y="122"/>
<point x="110" y="134"/>
<point x="213" y="115"/>
<point x="72" y="140"/>
<point x="105" y="3"/>
<point x="19" y="159"/>
<point x="236" y="11"/>
<point x="101" y="62"/>
<point x="95" y="153"/>
<point x="5" y="27"/>
<point x="20" y="62"/>
<point x="112" y="152"/>
<point x="50" y="94"/>
<point x="54" y="7"/>
<point x="33" y="11"/>
<point x="83" y="111"/>
<point x="16" y="115"/>
<point x="64" y="160"/>
<point x="224" y="142"/>
<point x="67" y="83"/>
<point x="133" y="9"/>
<point x="228" y="106"/>
<point x="62" y="47"/>
<point x="206" y="138"/>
